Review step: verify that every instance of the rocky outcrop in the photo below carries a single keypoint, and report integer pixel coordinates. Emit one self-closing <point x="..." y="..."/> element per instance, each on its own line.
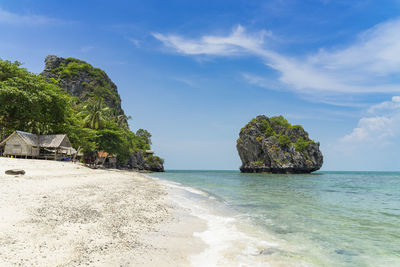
<point x="273" y="145"/>
<point x="141" y="161"/>
<point x="82" y="80"/>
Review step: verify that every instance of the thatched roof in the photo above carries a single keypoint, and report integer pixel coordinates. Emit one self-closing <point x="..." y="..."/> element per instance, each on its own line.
<point x="51" y="140"/>
<point x="30" y="139"/>
<point x="46" y="141"/>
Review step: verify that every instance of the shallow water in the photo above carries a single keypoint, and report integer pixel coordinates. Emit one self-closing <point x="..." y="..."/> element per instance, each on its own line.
<point x="319" y="219"/>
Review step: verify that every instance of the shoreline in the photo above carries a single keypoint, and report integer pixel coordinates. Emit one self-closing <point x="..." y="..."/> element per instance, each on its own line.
<point x="229" y="240"/>
<point x="60" y="213"/>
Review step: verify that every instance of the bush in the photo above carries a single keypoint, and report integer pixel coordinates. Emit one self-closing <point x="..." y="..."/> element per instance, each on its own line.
<point x="280" y="120"/>
<point x="301" y="144"/>
<point x="284" y="140"/>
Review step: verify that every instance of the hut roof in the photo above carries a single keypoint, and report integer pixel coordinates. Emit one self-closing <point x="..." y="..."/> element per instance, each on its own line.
<point x="47" y="141"/>
<point x="30" y="139"/>
<point x="102" y="154"/>
<point x="51" y="140"/>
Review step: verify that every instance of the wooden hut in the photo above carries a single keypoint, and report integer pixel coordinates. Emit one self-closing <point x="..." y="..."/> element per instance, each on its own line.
<point x="22" y="144"/>
<point x="106" y="160"/>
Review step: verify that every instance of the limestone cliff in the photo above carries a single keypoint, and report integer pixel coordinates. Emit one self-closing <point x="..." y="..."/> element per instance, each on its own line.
<point x="82" y="80"/>
<point x="273" y="145"/>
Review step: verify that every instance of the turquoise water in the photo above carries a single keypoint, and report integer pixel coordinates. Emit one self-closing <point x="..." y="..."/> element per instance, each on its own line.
<point x="319" y="219"/>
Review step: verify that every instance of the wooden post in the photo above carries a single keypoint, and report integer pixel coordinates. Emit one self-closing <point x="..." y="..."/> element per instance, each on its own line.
<point x="73" y="160"/>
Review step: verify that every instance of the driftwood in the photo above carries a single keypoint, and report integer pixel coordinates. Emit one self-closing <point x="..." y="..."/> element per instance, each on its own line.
<point x="15" y="172"/>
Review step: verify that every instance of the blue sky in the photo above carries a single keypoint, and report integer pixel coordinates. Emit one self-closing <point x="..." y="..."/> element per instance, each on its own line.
<point x="194" y="72"/>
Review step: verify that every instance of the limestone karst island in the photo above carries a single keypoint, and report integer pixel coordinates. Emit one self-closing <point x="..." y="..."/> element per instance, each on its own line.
<point x="273" y="145"/>
<point x="200" y="133"/>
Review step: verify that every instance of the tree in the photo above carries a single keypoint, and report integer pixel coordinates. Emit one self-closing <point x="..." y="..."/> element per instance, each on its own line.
<point x="122" y="121"/>
<point x="30" y="103"/>
<point x="144" y="139"/>
<point x="95" y="113"/>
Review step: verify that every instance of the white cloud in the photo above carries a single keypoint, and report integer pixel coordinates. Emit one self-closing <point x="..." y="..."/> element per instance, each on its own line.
<point x="366" y="66"/>
<point x="386" y="106"/>
<point x="375" y="52"/>
<point x="371" y="129"/>
<point x="377" y="129"/>
<point x="235" y="43"/>
<point x="10" y="18"/>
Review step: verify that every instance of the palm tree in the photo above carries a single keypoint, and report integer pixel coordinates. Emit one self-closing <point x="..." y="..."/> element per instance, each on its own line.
<point x="95" y="113"/>
<point x="122" y="120"/>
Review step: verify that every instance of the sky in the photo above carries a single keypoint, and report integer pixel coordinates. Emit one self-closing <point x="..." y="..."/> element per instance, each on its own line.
<point x="194" y="73"/>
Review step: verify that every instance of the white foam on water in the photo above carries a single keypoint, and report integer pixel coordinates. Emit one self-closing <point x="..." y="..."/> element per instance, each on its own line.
<point x="176" y="185"/>
<point x="226" y="244"/>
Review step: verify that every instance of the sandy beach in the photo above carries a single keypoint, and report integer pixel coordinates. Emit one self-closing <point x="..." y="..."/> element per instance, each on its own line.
<point x="64" y="214"/>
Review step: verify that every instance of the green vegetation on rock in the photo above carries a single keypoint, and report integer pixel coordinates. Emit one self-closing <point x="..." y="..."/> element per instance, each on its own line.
<point x="82" y="80"/>
<point x="280" y="128"/>
<point x="274" y="145"/>
<point x="284" y="140"/>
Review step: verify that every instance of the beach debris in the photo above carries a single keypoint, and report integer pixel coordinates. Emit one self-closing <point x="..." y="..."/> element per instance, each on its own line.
<point x="15" y="172"/>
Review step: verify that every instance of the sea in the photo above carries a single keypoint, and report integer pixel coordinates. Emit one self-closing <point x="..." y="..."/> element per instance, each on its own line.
<point x="318" y="219"/>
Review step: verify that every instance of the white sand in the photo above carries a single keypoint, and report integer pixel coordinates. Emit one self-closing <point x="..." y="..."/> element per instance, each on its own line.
<point x="64" y="214"/>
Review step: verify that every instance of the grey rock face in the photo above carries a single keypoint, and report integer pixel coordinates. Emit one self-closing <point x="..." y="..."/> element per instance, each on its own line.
<point x="140" y="161"/>
<point x="272" y="145"/>
<point x="84" y="82"/>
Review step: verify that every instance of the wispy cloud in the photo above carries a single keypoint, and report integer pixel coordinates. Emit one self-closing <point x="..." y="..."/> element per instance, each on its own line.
<point x="238" y="42"/>
<point x="10" y="18"/>
<point x="369" y="65"/>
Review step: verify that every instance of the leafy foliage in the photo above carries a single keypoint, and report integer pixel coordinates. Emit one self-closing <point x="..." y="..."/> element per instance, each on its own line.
<point x="301" y="144"/>
<point x="280" y="120"/>
<point x="284" y="140"/>
<point x="153" y="161"/>
<point x="30" y="103"/>
<point x="95" y="113"/>
<point x="144" y="139"/>
<point x="97" y="83"/>
<point x="278" y="129"/>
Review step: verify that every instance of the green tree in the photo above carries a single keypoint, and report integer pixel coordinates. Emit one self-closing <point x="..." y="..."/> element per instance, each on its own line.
<point x="30" y="103"/>
<point x="95" y="113"/>
<point x="144" y="139"/>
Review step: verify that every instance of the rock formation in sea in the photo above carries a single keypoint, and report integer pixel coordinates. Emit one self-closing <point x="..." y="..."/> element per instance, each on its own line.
<point x="273" y="145"/>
